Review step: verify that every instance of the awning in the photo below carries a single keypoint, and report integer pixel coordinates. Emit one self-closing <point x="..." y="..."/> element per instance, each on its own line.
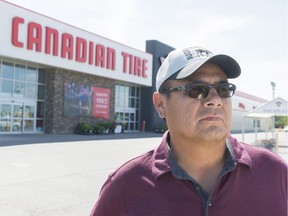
<point x="276" y="107"/>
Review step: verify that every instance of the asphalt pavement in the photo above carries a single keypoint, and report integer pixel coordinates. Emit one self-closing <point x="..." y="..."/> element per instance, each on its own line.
<point x="61" y="174"/>
<point x="38" y="138"/>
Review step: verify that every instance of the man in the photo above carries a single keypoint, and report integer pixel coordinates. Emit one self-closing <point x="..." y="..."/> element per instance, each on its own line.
<point x="199" y="169"/>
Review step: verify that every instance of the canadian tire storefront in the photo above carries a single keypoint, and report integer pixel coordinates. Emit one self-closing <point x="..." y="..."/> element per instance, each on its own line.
<point x="54" y="76"/>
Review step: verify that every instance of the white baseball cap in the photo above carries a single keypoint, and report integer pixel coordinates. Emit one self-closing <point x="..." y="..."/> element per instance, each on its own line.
<point x="181" y="63"/>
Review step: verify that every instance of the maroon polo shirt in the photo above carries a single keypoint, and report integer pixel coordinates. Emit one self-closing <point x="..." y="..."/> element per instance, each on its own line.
<point x="146" y="186"/>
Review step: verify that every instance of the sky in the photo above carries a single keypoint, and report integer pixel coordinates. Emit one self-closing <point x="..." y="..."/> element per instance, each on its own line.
<point x="255" y="33"/>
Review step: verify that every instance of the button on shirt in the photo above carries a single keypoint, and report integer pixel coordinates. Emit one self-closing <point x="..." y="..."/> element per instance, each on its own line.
<point x="154" y="185"/>
<point x="179" y="173"/>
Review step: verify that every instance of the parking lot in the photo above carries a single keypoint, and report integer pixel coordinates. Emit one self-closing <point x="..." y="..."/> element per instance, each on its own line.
<point x="60" y="175"/>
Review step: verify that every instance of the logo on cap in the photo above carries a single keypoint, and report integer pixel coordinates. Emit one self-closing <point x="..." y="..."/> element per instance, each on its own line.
<point x="191" y="53"/>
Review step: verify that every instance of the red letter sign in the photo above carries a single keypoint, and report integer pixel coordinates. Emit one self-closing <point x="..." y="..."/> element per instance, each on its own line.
<point x="15" y="31"/>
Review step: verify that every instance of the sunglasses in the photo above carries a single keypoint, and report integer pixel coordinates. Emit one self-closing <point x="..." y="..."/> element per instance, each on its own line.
<point x="201" y="91"/>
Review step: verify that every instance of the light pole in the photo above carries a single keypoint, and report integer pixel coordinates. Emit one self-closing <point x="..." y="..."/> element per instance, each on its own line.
<point x="273" y="84"/>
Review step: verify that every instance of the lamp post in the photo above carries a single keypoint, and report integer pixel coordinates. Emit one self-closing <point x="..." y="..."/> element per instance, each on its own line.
<point x="273" y="84"/>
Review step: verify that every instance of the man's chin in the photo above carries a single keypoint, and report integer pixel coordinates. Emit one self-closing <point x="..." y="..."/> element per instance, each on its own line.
<point x="214" y="133"/>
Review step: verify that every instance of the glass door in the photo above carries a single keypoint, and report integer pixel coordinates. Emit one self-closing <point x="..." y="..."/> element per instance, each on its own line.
<point x="127" y="106"/>
<point x="29" y="118"/>
<point x="17" y="117"/>
<point x="5" y="117"/>
<point x="11" y="117"/>
<point x="128" y="118"/>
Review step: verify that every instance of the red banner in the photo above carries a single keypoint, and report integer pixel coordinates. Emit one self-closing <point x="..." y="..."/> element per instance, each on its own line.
<point x="101" y="105"/>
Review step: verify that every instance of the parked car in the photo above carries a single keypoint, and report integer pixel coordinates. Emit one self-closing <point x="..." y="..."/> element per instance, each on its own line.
<point x="285" y="128"/>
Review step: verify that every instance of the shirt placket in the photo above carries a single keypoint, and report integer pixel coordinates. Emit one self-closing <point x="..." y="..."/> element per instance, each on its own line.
<point x="206" y="198"/>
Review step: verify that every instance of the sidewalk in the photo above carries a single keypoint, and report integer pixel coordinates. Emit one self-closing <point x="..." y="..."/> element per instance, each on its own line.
<point x="22" y="139"/>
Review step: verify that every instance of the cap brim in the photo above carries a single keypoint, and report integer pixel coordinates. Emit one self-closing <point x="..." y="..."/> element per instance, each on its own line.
<point x="226" y="63"/>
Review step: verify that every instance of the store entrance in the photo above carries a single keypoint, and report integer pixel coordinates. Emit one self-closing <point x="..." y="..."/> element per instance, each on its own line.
<point x="17" y="117"/>
<point x="127" y="106"/>
<point x="128" y="118"/>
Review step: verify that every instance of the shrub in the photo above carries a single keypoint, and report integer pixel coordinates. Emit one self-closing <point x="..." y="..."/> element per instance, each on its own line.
<point x="98" y="129"/>
<point x="161" y="128"/>
<point x="84" y="128"/>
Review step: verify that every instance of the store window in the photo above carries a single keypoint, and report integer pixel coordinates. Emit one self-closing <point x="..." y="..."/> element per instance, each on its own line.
<point x="19" y="89"/>
<point x="122" y="96"/>
<point x="127" y="106"/>
<point x="7" y="87"/>
<point x="20" y="73"/>
<point x="18" y="80"/>
<point x="22" y="98"/>
<point x="7" y="70"/>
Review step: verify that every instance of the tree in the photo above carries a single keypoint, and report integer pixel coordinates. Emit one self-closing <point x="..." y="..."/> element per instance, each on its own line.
<point x="281" y="121"/>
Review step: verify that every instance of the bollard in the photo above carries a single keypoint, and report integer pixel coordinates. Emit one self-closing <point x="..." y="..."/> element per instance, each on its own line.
<point x="143" y="126"/>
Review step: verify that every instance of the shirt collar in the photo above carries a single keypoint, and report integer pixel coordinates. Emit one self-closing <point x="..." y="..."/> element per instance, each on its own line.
<point x="238" y="152"/>
<point x="161" y="163"/>
<point x="162" y="157"/>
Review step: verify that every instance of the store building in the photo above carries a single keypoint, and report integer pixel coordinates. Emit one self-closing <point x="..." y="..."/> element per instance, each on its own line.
<point x="54" y="76"/>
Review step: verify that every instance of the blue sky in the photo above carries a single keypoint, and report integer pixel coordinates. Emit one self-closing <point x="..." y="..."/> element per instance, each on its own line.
<point x="255" y="33"/>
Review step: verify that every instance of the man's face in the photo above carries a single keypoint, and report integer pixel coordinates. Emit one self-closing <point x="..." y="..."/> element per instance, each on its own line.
<point x="205" y="119"/>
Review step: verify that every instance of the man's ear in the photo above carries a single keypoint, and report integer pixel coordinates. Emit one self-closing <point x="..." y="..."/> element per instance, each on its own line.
<point x="159" y="104"/>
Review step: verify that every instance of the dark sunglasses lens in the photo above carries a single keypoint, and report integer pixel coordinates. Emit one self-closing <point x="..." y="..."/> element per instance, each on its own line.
<point x="198" y="92"/>
<point x="225" y="90"/>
